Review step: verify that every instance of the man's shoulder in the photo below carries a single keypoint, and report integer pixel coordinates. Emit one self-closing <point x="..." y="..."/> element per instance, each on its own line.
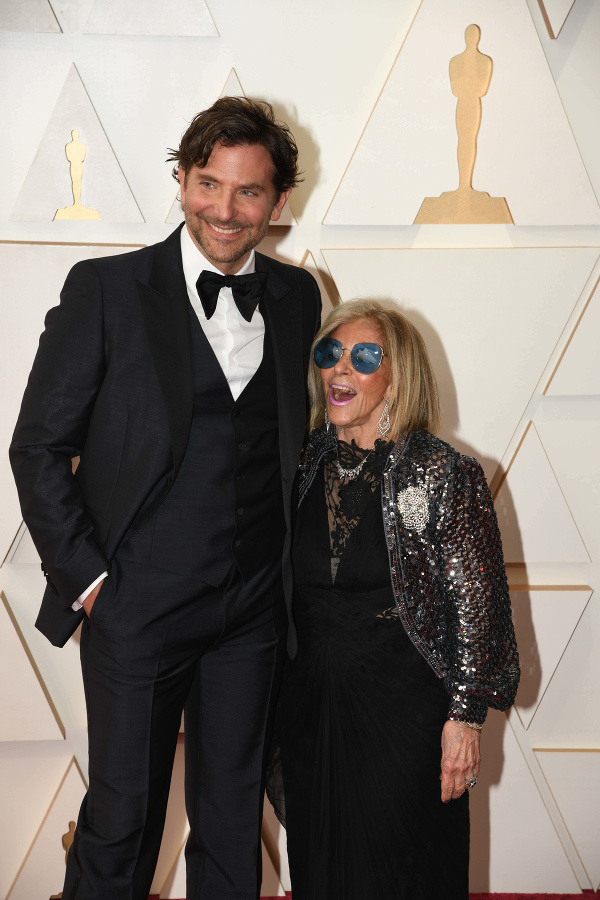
<point x="134" y="263"/>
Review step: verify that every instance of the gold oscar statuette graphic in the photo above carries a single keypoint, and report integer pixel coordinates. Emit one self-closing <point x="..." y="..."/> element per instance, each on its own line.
<point x="67" y="840"/>
<point x="470" y="77"/>
<point x="75" y="151"/>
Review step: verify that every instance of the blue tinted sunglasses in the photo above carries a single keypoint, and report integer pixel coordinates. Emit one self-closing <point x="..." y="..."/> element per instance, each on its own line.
<point x="366" y="358"/>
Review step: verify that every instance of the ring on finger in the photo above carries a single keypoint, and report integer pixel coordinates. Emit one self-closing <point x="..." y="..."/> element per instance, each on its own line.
<point x="471" y="782"/>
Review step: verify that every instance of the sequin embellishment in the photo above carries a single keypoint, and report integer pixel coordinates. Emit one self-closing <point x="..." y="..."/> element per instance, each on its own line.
<point x="413" y="506"/>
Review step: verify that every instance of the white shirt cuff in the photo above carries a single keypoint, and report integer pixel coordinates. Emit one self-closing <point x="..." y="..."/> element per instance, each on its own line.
<point x="78" y="604"/>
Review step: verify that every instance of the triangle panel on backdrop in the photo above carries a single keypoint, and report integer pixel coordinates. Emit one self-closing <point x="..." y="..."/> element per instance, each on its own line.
<point x="27" y="712"/>
<point x="498" y="839"/>
<point x="48" y="186"/>
<point x="28" y="780"/>
<point x="573" y="777"/>
<point x="32" y="16"/>
<point x="189" y="18"/>
<point x="233" y="88"/>
<point x="43" y="869"/>
<point x="408" y="150"/>
<point x="544" y="624"/>
<point x="533" y="515"/>
<point x="572" y="448"/>
<point x="329" y="295"/>
<point x="22" y="551"/>
<point x="555" y="14"/>
<point x="487" y="367"/>
<point x="578" y="373"/>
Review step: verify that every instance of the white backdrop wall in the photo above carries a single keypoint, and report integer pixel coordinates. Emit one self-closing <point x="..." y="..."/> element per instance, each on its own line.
<point x="511" y="315"/>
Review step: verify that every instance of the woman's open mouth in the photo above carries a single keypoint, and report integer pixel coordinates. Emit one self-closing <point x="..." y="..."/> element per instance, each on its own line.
<point x="340" y="394"/>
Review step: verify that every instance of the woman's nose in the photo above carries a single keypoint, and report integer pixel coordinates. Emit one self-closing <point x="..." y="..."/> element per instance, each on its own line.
<point x="344" y="363"/>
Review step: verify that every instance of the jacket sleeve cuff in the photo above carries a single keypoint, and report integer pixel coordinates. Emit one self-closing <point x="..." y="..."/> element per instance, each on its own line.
<point x="467" y="709"/>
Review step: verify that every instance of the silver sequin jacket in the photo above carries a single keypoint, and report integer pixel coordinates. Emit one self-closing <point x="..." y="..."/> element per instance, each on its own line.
<point x="446" y="567"/>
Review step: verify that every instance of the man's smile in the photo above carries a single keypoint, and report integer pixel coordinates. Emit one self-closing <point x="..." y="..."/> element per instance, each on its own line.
<point x="220" y="230"/>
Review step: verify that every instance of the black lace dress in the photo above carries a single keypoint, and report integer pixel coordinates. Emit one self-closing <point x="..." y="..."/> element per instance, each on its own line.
<point x="356" y="760"/>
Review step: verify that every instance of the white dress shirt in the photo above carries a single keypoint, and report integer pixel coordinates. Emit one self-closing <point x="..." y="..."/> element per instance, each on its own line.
<point x="237" y="344"/>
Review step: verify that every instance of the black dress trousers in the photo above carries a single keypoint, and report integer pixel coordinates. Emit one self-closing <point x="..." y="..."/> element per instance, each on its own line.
<point x="157" y="643"/>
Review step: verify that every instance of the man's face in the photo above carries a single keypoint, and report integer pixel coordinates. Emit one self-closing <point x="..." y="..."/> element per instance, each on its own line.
<point x="229" y="202"/>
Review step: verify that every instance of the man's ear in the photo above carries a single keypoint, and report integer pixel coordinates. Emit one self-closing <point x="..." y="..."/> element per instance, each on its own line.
<point x="181" y="178"/>
<point x="278" y="208"/>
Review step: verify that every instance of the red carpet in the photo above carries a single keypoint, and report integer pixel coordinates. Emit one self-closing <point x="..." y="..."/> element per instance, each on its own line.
<point x="585" y="895"/>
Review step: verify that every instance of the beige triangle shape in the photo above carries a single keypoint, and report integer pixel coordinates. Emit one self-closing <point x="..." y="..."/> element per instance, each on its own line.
<point x="43" y="869"/>
<point x="72" y="14"/>
<point x="172" y="18"/>
<point x="271" y="885"/>
<point x="578" y="370"/>
<point x="535" y="521"/>
<point x="544" y="624"/>
<point x="175" y="883"/>
<point x="579" y="483"/>
<point x="507" y="796"/>
<point x="28" y="780"/>
<point x="555" y="13"/>
<point x="573" y="776"/>
<point x="27" y="712"/>
<point x="22" y="551"/>
<point x="408" y="149"/>
<point x="329" y="295"/>
<point x="48" y="188"/>
<point x="30" y="16"/>
<point x="232" y="88"/>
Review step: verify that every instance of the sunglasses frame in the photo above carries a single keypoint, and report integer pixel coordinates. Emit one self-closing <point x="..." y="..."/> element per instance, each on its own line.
<point x="351" y="350"/>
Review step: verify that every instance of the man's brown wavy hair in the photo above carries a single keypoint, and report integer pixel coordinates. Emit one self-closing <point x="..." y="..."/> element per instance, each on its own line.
<point x="235" y="121"/>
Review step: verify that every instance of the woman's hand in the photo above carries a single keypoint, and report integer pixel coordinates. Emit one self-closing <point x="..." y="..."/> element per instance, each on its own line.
<point x="460" y="759"/>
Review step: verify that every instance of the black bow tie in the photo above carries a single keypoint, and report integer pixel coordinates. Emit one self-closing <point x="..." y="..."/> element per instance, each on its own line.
<point x="246" y="289"/>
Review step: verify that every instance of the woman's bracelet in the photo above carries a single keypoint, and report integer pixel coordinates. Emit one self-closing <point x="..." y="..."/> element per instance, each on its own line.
<point x="474" y="725"/>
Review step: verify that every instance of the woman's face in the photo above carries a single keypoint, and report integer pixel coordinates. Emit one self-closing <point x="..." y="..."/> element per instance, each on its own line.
<point x="354" y="401"/>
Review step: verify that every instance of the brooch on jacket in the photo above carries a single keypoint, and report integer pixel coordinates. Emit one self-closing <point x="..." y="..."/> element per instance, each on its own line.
<point x="413" y="506"/>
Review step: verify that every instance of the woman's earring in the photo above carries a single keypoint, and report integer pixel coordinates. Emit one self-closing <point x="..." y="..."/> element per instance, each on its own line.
<point x="327" y="422"/>
<point x="384" y="424"/>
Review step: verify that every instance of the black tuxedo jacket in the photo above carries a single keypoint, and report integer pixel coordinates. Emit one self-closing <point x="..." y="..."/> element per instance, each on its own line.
<point x="112" y="383"/>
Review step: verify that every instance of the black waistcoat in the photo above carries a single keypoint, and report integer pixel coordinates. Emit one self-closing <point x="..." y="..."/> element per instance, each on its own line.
<point x="226" y="503"/>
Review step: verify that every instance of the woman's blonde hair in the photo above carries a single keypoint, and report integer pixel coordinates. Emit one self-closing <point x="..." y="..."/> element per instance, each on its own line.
<point x="413" y="394"/>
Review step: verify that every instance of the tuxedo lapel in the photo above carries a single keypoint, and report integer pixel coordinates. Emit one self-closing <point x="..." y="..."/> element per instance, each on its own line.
<point x="281" y="308"/>
<point x="164" y="306"/>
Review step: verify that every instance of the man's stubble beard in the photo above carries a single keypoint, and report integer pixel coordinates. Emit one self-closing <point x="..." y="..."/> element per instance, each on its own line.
<point x="229" y="254"/>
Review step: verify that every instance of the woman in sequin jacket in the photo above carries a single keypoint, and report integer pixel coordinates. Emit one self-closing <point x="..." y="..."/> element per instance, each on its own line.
<point x="404" y="627"/>
<point x="446" y="568"/>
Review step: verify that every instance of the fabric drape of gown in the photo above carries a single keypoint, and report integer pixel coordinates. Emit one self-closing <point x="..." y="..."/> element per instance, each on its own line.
<point x="356" y="751"/>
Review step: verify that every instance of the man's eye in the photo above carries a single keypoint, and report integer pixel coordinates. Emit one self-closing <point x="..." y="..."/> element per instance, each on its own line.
<point x="248" y="193"/>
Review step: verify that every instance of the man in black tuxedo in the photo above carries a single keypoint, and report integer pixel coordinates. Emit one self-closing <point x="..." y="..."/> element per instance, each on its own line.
<point x="177" y="374"/>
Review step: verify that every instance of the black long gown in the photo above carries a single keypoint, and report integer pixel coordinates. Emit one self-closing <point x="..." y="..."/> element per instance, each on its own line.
<point x="355" y="771"/>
